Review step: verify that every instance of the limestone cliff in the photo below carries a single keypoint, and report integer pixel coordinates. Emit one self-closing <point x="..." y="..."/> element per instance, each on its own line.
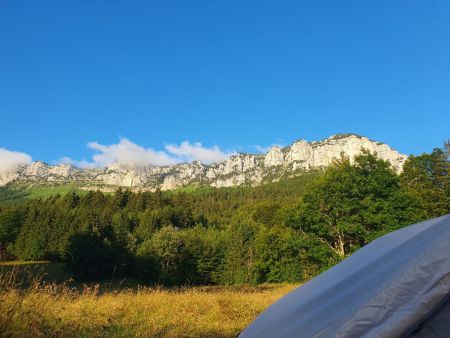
<point x="240" y="169"/>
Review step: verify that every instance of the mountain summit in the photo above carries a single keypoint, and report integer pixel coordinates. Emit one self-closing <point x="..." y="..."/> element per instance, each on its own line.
<point x="240" y="169"/>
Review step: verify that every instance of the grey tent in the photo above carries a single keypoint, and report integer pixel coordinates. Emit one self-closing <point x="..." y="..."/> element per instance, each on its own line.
<point x="396" y="286"/>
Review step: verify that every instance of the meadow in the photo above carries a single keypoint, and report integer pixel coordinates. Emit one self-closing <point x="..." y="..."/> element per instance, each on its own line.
<point x="47" y="309"/>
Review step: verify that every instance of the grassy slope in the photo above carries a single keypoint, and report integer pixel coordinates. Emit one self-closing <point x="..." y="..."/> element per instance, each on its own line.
<point x="43" y="309"/>
<point x="57" y="311"/>
<point x="19" y="192"/>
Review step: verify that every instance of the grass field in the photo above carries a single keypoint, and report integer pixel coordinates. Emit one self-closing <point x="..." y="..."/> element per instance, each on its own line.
<point x="17" y="192"/>
<point x="26" y="273"/>
<point x="45" y="309"/>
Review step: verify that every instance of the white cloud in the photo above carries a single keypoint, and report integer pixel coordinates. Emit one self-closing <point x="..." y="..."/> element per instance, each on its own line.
<point x="10" y="159"/>
<point x="123" y="152"/>
<point x="187" y="152"/>
<point x="128" y="152"/>
<point x="80" y="164"/>
<point x="265" y="149"/>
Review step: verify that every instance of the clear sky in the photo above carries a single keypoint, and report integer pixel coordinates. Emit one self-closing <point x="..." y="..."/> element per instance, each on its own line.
<point x="231" y="74"/>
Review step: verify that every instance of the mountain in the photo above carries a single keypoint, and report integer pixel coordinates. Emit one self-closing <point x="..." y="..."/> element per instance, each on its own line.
<point x="240" y="169"/>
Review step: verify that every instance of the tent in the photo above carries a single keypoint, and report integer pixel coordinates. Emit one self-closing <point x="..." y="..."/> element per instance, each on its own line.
<point x="396" y="286"/>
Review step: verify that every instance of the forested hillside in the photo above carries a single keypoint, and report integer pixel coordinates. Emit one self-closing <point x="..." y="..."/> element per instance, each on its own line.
<point x="285" y="231"/>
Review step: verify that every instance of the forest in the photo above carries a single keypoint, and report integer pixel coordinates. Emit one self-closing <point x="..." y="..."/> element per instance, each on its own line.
<point x="287" y="231"/>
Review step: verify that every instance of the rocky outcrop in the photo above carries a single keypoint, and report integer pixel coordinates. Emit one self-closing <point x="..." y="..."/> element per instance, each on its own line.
<point x="274" y="157"/>
<point x="240" y="169"/>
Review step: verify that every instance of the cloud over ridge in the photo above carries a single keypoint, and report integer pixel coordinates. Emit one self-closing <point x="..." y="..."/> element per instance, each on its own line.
<point x="197" y="152"/>
<point x="128" y="152"/>
<point x="10" y="159"/>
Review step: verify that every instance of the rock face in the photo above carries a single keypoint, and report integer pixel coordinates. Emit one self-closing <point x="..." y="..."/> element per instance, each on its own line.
<point x="240" y="169"/>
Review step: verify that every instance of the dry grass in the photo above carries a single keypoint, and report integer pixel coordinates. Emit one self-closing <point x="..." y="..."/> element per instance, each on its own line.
<point x="15" y="263"/>
<point x="51" y="310"/>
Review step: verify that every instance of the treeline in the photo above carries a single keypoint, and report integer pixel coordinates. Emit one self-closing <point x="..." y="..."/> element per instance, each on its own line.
<point x="286" y="231"/>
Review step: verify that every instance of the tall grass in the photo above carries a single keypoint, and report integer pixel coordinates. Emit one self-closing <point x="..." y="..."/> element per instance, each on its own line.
<point x="41" y="309"/>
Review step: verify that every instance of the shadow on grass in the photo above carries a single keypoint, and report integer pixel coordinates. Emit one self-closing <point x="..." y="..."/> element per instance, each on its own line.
<point x="26" y="274"/>
<point x="22" y="275"/>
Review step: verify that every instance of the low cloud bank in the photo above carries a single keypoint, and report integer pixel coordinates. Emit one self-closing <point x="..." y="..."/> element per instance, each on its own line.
<point x="131" y="153"/>
<point x="10" y="159"/>
<point x="187" y="152"/>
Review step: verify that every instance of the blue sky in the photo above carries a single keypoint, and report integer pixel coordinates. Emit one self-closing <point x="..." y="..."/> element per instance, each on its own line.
<point x="230" y="74"/>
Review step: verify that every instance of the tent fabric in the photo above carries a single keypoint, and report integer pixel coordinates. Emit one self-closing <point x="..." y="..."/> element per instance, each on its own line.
<point x="386" y="289"/>
<point x="437" y="326"/>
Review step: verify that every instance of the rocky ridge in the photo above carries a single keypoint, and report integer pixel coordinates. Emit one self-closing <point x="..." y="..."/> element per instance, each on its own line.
<point x="240" y="169"/>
